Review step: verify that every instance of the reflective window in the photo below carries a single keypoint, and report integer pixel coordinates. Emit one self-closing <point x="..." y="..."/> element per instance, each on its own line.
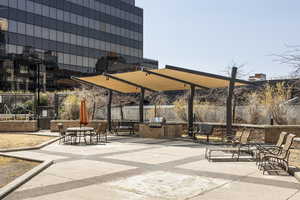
<point x="60" y="15"/>
<point x="4" y="2"/>
<point x="66" y="37"/>
<point x="21" y="28"/>
<point x="60" y="36"/>
<point x="13" y="3"/>
<point x="73" y="60"/>
<point x="73" y="39"/>
<point x="30" y="6"/>
<point x="29" y="29"/>
<point x="79" y="40"/>
<point x="37" y="31"/>
<point x="53" y="13"/>
<point x="45" y="33"/>
<point x="66" y="59"/>
<point x="66" y="16"/>
<point x="45" y="11"/>
<point x="38" y="8"/>
<point x="85" y="61"/>
<point x="60" y="57"/>
<point x="91" y="43"/>
<point x="22" y="4"/>
<point x="79" y="60"/>
<point x="52" y="35"/>
<point x="73" y="18"/>
<point x="3" y="24"/>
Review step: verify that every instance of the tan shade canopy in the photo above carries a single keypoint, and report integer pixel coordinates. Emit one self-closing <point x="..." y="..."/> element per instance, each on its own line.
<point x="168" y="79"/>
<point x="109" y="83"/>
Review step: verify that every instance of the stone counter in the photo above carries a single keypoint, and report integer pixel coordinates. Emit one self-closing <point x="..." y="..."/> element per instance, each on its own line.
<point x="166" y="131"/>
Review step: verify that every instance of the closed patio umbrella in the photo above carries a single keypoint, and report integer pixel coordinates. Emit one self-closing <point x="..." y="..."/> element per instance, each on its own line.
<point x="83" y="113"/>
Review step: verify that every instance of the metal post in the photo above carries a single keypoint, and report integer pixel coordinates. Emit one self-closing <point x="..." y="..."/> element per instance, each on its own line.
<point x="109" y="100"/>
<point x="191" y="111"/>
<point x="141" y="106"/>
<point x="229" y="102"/>
<point x="56" y="99"/>
<point x="38" y="95"/>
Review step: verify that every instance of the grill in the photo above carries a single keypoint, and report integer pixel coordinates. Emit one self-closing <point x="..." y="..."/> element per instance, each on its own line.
<point x="157" y="122"/>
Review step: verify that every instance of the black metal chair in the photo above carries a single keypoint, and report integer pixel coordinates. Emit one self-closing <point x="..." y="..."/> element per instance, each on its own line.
<point x="204" y="129"/>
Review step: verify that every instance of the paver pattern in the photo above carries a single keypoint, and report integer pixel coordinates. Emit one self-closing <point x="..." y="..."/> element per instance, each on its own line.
<point x="146" y="169"/>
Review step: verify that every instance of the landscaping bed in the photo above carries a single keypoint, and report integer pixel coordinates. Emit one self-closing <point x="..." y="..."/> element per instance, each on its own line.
<point x="12" y="168"/>
<point x="8" y="141"/>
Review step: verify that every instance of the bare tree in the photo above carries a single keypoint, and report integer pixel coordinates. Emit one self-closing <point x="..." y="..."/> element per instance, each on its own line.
<point x="290" y="57"/>
<point x="241" y="72"/>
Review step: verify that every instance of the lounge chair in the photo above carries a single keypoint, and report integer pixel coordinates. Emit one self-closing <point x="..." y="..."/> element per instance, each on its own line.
<point x="273" y="149"/>
<point x="234" y="139"/>
<point x="277" y="162"/>
<point x="239" y="146"/>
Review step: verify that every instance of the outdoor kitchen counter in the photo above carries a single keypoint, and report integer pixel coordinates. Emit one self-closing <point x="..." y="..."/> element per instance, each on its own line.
<point x="166" y="130"/>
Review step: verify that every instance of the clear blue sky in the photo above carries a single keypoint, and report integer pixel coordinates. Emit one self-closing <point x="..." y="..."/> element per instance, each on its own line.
<point x="208" y="35"/>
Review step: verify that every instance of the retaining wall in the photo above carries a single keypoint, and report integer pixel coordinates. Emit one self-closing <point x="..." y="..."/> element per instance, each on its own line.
<point x="18" y="126"/>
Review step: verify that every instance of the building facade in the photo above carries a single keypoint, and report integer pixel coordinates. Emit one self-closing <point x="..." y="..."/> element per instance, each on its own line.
<point x="79" y="32"/>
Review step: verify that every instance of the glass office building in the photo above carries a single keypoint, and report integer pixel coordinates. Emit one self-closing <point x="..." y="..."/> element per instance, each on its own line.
<point x="78" y="31"/>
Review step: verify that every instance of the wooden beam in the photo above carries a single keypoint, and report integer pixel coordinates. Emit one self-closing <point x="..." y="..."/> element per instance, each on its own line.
<point x="191" y="110"/>
<point x="229" y="101"/>
<point x="141" y="106"/>
<point x="109" y="100"/>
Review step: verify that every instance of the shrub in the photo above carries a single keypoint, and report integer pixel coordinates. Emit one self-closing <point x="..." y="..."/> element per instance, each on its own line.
<point x="181" y="108"/>
<point x="253" y="102"/>
<point x="70" y="108"/>
<point x="274" y="99"/>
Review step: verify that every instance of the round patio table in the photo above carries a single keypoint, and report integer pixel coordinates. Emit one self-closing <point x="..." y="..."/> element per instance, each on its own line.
<point x="80" y="132"/>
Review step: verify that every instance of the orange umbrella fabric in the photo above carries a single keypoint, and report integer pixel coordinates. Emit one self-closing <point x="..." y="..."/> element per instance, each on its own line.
<point x="83" y="113"/>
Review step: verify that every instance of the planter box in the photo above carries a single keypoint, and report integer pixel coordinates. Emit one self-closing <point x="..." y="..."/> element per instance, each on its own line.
<point x="72" y="123"/>
<point x="18" y="126"/>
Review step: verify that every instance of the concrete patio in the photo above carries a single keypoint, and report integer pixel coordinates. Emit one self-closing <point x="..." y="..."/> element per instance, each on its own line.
<point x="136" y="168"/>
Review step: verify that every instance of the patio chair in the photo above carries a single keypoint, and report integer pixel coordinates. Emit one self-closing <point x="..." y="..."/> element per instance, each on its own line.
<point x="204" y="129"/>
<point x="101" y="130"/>
<point x="277" y="162"/>
<point x="62" y="133"/>
<point x="273" y="149"/>
<point x="242" y="145"/>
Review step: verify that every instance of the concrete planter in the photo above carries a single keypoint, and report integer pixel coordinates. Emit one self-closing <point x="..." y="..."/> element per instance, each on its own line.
<point x="18" y="126"/>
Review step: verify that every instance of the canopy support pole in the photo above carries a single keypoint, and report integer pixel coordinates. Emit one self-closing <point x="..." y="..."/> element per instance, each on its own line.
<point x="229" y="101"/>
<point x="109" y="100"/>
<point x="191" y="111"/>
<point x="141" y="106"/>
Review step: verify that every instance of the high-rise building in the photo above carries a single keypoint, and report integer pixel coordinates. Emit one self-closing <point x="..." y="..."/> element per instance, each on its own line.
<point x="79" y="32"/>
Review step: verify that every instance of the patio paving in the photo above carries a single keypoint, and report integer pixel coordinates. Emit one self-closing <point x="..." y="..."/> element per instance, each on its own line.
<point x="147" y="169"/>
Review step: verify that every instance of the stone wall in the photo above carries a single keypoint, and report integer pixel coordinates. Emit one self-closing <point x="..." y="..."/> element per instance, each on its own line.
<point x="72" y="123"/>
<point x="18" y="126"/>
